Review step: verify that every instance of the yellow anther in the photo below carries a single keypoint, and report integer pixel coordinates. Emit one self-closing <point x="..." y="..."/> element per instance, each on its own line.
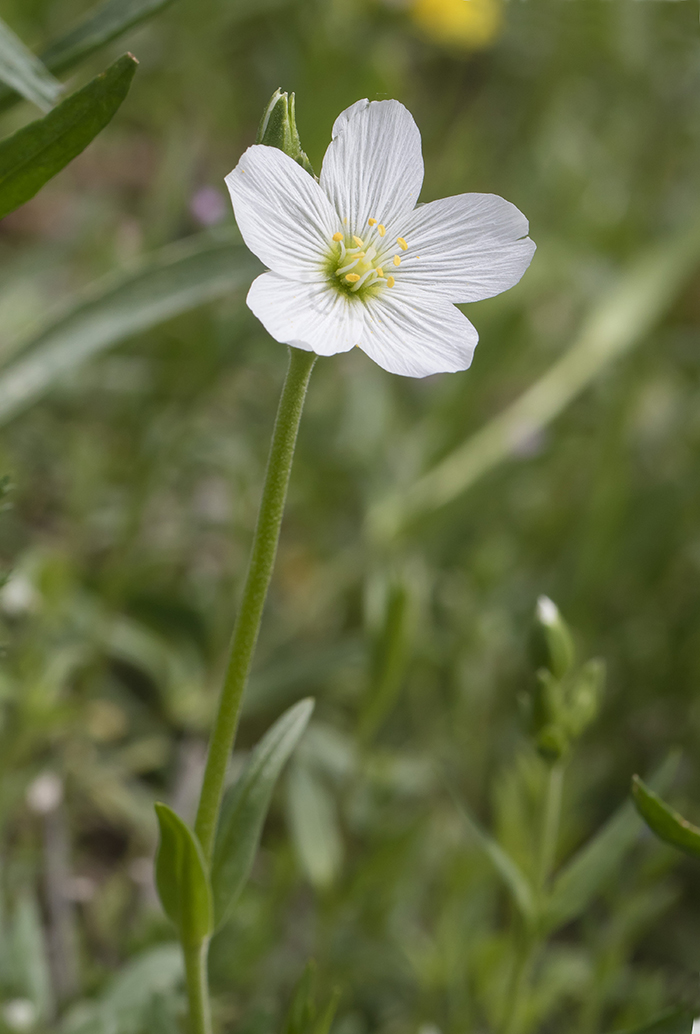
<point x="361" y="255"/>
<point x="402" y="243"/>
<point x="397" y="260"/>
<point x="338" y="236"/>
<point x="352" y="278"/>
<point x="381" y="229"/>
<point x="379" y="271"/>
<point x="358" y="241"/>
<point x="390" y="281"/>
<point x="372" y="222"/>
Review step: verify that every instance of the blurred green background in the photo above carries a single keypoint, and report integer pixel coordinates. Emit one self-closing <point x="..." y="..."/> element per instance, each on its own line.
<point x="134" y="488"/>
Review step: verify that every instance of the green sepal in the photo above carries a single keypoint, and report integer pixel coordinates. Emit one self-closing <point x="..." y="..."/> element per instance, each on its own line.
<point x="35" y="153"/>
<point x="182" y="879"/>
<point x="668" y="824"/>
<point x="278" y="128"/>
<point x="245" y="808"/>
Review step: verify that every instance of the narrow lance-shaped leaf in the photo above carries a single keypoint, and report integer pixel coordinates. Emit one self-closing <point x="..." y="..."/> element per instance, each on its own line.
<point x="246" y="805"/>
<point x="581" y="879"/>
<point x="510" y="872"/>
<point x="35" y="153"/>
<point x="24" y="73"/>
<point x="177" y="278"/>
<point x="668" y="824"/>
<point x="181" y="878"/>
<point x="674" y="1021"/>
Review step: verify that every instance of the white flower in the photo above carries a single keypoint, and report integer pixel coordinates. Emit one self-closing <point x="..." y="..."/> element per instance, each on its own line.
<point x="353" y="261"/>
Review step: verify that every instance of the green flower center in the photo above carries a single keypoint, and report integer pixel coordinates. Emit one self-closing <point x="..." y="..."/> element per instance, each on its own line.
<point x="356" y="266"/>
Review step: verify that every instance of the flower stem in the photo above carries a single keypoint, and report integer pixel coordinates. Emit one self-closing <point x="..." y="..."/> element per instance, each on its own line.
<point x="197" y="990"/>
<point x="550" y="824"/>
<point x="262" y="559"/>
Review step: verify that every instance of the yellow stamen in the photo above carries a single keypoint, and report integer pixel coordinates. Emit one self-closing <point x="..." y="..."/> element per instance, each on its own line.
<point x="379" y="271"/>
<point x="361" y="254"/>
<point x="397" y="260"/>
<point x="358" y="241"/>
<point x="352" y="278"/>
<point x="381" y="229"/>
<point x="372" y="222"/>
<point x="390" y="281"/>
<point x="402" y="243"/>
<point x="337" y="236"/>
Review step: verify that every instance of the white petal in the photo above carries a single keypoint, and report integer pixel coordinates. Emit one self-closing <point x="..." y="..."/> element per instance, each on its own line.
<point x="467" y="247"/>
<point x="314" y="317"/>
<point x="412" y="333"/>
<point x="373" y="167"/>
<point x="282" y="213"/>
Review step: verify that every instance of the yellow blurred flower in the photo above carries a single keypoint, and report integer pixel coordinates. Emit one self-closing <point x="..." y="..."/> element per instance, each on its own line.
<point x="470" y="24"/>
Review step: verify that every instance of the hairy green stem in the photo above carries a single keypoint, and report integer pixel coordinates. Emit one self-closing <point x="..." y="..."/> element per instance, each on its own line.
<point x="262" y="559"/>
<point x="197" y="988"/>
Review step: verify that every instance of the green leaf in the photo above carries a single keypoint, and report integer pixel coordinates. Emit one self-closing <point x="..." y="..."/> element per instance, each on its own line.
<point x="302" y="1016"/>
<point x="35" y="153"/>
<point x="313" y="822"/>
<point x="103" y="24"/>
<point x="664" y="821"/>
<point x="176" y="279"/>
<point x="581" y="879"/>
<point x="181" y="878"/>
<point x="24" y="73"/>
<point x="675" y="1021"/>
<point x="516" y="881"/>
<point x="245" y="807"/>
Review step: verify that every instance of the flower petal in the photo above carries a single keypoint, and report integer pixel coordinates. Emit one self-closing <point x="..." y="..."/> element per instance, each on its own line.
<point x="373" y="167"/>
<point x="282" y="213"/>
<point x="314" y="317"/>
<point x="467" y="247"/>
<point x="415" y="334"/>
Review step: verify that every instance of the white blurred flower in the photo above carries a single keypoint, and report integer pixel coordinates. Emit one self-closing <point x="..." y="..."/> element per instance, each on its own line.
<point x="353" y="261"/>
<point x="19" y="1014"/>
<point x="18" y="595"/>
<point x="45" y="793"/>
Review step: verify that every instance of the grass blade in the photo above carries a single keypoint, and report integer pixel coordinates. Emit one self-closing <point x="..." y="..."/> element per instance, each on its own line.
<point x="24" y="73"/>
<point x="177" y="279"/>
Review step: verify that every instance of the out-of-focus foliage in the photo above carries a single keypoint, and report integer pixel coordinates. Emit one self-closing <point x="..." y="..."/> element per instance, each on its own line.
<point x="136" y="478"/>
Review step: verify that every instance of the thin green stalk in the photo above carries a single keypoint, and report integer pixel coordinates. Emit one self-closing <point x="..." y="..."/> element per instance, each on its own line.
<point x="197" y="989"/>
<point x="519" y="981"/>
<point x="530" y="939"/>
<point x="550" y="824"/>
<point x="262" y="559"/>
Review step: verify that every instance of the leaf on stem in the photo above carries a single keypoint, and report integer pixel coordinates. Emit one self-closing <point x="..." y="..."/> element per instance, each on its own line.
<point x="245" y="808"/>
<point x="24" y="73"/>
<point x="668" y="824"/>
<point x="35" y="153"/>
<point x="182" y="879"/>
<point x="516" y="881"/>
<point x="581" y="879"/>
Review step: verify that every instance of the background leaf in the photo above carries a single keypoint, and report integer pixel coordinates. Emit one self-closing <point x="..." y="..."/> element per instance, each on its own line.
<point x="182" y="879"/>
<point x="21" y="70"/>
<point x="176" y="279"/>
<point x="581" y="879"/>
<point x="675" y="1021"/>
<point x="35" y="153"/>
<point x="668" y="824"/>
<point x="245" y="807"/>
<point x="314" y="826"/>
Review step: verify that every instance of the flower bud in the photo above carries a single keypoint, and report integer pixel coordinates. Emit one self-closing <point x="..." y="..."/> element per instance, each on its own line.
<point x="552" y="645"/>
<point x="278" y="128"/>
